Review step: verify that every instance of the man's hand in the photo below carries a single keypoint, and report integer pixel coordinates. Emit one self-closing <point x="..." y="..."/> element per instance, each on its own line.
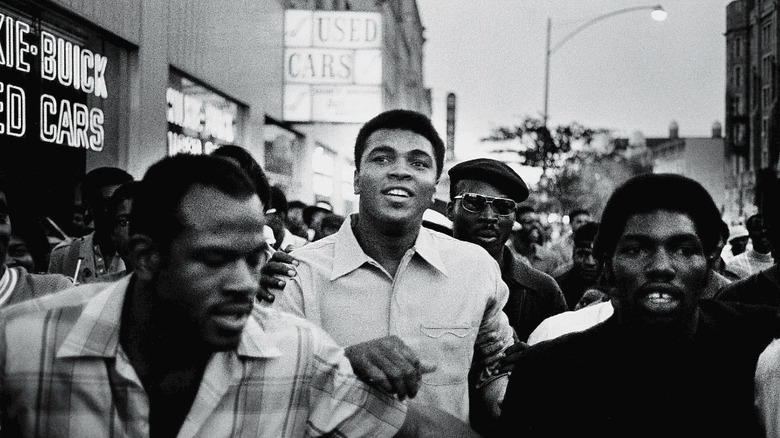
<point x="591" y="296"/>
<point x="388" y="364"/>
<point x="275" y="273"/>
<point x="511" y="355"/>
<point x="489" y="349"/>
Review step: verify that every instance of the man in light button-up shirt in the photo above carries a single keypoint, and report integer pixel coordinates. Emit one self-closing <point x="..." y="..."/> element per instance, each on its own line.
<point x="400" y="297"/>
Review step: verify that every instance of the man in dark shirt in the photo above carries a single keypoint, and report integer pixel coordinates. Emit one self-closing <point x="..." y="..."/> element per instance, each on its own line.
<point x="483" y="198"/>
<point x="666" y="363"/>
<point x="584" y="270"/>
<point x="482" y="195"/>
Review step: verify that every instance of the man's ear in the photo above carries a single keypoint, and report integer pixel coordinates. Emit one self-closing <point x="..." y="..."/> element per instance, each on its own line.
<point x="144" y="255"/>
<point x="450" y="208"/>
<point x="713" y="259"/>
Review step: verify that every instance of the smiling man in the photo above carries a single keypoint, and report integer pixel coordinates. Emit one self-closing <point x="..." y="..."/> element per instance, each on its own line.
<point x="409" y="304"/>
<point x="666" y="363"/>
<point x="181" y="347"/>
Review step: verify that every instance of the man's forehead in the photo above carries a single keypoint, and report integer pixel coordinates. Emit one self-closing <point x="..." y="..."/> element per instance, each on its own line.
<point x="660" y="223"/>
<point x="107" y="191"/>
<point x="204" y="204"/>
<point x="583" y="244"/>
<point x="386" y="138"/>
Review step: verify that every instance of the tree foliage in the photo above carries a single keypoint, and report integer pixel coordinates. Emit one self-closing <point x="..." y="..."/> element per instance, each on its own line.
<point x="538" y="146"/>
<point x="574" y="174"/>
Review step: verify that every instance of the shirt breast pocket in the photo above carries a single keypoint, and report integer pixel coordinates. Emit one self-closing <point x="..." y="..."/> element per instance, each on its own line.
<point x="449" y="347"/>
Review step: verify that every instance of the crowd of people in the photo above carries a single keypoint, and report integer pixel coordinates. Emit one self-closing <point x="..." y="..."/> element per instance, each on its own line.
<point x="200" y="301"/>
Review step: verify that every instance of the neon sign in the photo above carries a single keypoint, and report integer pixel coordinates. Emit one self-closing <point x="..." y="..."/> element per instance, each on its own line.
<point x="199" y="120"/>
<point x="64" y="117"/>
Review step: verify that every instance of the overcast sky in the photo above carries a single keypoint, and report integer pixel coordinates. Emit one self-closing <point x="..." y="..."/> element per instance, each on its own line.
<point x="627" y="73"/>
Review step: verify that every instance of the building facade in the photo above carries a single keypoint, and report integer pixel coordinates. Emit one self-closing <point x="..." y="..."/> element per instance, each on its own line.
<point x="91" y="83"/>
<point x="699" y="158"/>
<point x="752" y="138"/>
<point x="396" y="53"/>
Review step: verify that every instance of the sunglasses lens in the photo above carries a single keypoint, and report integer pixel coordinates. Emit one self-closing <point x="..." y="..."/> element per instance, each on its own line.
<point x="474" y="203"/>
<point x="504" y="206"/>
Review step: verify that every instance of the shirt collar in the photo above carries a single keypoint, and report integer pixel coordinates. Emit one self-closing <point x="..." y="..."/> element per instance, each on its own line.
<point x="255" y="343"/>
<point x="96" y="331"/>
<point x="348" y="255"/>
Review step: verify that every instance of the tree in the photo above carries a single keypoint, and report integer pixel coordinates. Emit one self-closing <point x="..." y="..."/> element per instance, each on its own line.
<point x="538" y="146"/>
<point x="575" y="173"/>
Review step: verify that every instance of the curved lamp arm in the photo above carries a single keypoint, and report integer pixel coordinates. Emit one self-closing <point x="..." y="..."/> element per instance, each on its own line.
<point x="571" y="34"/>
<point x="658" y="14"/>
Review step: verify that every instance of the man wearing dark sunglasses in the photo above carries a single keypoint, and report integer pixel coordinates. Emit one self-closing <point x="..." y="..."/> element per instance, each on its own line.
<point x="484" y="194"/>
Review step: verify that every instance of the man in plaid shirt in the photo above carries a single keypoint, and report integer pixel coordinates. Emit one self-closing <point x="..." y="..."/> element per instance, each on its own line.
<point x="181" y="347"/>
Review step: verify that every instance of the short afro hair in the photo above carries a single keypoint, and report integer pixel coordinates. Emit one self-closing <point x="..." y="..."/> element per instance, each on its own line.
<point x="248" y="164"/>
<point x="403" y="120"/>
<point x="156" y="208"/>
<point x="586" y="233"/>
<point x="101" y="177"/>
<point x="658" y="191"/>
<point x="755" y="223"/>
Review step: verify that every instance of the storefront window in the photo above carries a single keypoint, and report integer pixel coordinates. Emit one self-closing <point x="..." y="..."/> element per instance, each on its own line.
<point x="323" y="165"/>
<point x="200" y="119"/>
<point x="63" y="102"/>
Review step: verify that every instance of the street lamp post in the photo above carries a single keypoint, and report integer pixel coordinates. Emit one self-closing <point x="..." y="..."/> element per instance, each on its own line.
<point x="658" y="14"/>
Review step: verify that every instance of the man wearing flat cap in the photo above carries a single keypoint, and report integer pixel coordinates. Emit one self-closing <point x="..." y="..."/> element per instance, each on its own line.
<point x="483" y="197"/>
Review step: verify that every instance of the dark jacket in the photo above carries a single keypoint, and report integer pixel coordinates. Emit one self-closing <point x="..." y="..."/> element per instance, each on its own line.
<point x="762" y="288"/>
<point x="599" y="382"/>
<point x="533" y="295"/>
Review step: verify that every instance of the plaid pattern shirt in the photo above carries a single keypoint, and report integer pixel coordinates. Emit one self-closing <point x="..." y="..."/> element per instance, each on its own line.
<point x="63" y="373"/>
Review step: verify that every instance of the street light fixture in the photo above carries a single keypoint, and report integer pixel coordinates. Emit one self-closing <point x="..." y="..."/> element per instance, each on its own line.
<point x="658" y="14"/>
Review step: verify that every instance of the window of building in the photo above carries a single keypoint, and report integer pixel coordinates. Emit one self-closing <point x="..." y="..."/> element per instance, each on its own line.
<point x="738" y="47"/>
<point x="738" y="80"/>
<point x="64" y="96"/>
<point x="281" y="147"/>
<point x="767" y="36"/>
<point x="767" y="80"/>
<point x="323" y="164"/>
<point x="347" y="185"/>
<point x="199" y="118"/>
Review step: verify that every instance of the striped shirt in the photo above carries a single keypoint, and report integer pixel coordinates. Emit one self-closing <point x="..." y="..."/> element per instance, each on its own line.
<point x="16" y="285"/>
<point x="63" y="373"/>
